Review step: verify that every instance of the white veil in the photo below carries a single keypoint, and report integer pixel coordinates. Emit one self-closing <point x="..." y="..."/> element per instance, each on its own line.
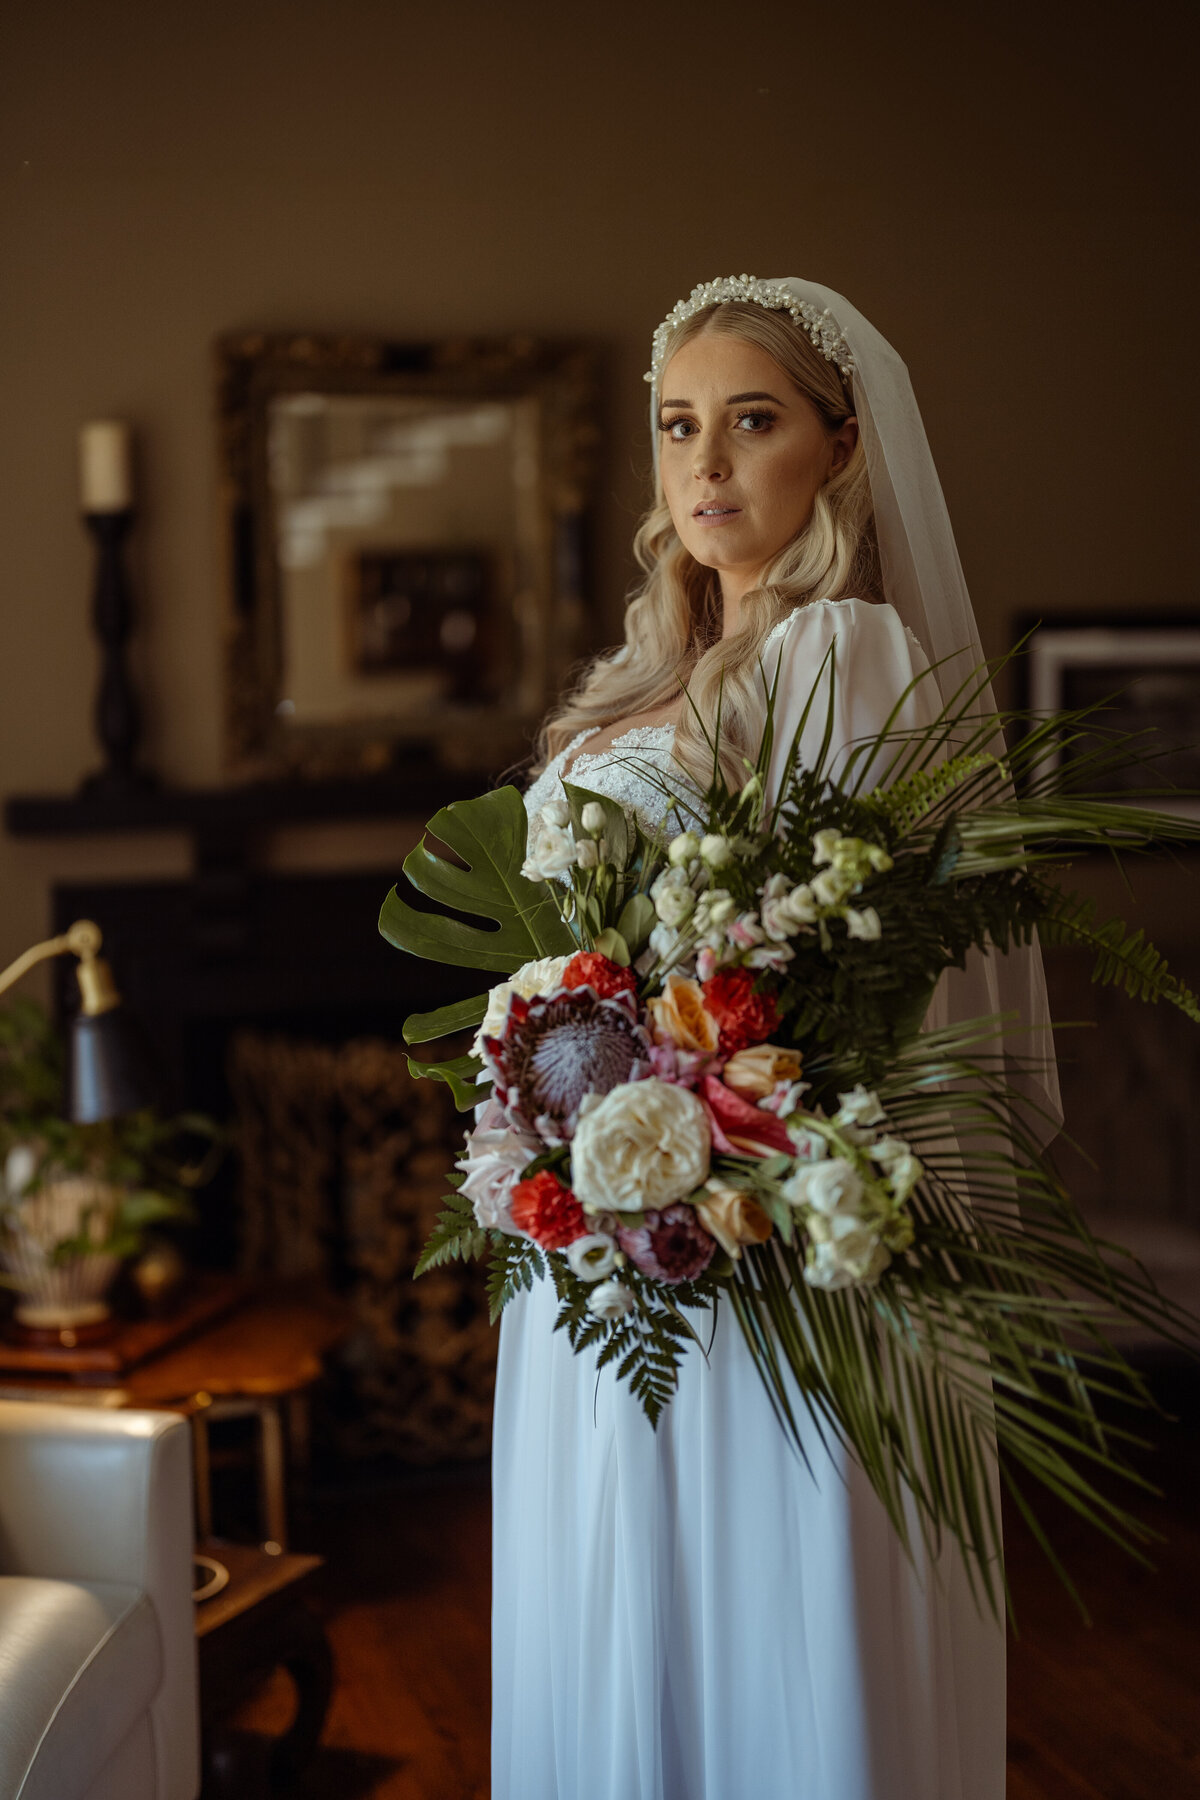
<point x="923" y="580"/>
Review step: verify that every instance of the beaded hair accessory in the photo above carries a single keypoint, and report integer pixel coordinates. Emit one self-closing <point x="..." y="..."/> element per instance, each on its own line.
<point x="821" y="327"/>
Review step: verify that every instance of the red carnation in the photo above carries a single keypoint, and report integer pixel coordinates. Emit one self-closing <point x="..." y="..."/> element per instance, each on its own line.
<point x="744" y="1017"/>
<point x="547" y="1211"/>
<point x="600" y="973"/>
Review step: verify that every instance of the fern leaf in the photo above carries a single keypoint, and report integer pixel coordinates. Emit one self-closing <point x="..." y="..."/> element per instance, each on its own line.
<point x="912" y="799"/>
<point x="1123" y="958"/>
<point x="456" y="1236"/>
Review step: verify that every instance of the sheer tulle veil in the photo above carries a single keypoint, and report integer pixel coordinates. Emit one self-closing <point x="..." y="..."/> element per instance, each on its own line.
<point x="923" y="579"/>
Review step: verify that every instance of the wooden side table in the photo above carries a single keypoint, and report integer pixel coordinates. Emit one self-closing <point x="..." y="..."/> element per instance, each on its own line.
<point x="259" y="1357"/>
<point x="258" y="1622"/>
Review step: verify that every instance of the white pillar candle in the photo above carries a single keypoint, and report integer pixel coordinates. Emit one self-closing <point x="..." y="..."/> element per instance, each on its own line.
<point x="106" y="466"/>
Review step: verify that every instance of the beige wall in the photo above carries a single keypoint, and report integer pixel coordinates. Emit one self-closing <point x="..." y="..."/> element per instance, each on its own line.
<point x="1004" y="197"/>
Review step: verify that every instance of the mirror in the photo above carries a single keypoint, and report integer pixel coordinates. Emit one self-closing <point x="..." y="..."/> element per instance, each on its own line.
<point x="403" y="536"/>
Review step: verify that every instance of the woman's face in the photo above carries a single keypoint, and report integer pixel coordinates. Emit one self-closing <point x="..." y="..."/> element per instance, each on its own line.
<point x="743" y="454"/>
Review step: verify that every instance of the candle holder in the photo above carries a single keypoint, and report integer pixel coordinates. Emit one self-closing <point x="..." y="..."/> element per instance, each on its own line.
<point x="118" y="718"/>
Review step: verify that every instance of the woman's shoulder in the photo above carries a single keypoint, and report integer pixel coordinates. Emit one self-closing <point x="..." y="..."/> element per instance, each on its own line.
<point x="827" y="619"/>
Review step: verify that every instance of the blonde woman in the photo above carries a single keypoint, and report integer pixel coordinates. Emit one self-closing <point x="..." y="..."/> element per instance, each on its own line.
<point x="692" y="1614"/>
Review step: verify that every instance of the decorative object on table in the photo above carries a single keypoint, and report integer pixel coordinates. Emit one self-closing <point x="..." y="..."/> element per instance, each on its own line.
<point x="79" y="1191"/>
<point x="106" y="492"/>
<point x="706" y="1081"/>
<point x="1145" y="671"/>
<point x="361" y="482"/>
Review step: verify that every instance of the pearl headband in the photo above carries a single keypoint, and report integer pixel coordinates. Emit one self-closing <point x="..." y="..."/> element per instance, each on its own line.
<point x="821" y="327"/>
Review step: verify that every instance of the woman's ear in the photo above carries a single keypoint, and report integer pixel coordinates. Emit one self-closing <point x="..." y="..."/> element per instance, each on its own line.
<point x="843" y="441"/>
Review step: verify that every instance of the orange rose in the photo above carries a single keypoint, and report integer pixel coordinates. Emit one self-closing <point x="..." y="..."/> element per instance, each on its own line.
<point x="733" y="1216"/>
<point x="753" y="1073"/>
<point x="680" y="1017"/>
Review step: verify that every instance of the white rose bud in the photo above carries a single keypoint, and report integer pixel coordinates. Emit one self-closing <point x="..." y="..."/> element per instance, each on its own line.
<point x="716" y="851"/>
<point x="587" y="853"/>
<point x="557" y="812"/>
<point x="592" y="818"/>
<point x="611" y="1300"/>
<point x="683" y="849"/>
<point x="592" y="1257"/>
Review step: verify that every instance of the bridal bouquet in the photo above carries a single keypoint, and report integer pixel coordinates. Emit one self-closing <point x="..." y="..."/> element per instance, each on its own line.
<point x="704" y="1080"/>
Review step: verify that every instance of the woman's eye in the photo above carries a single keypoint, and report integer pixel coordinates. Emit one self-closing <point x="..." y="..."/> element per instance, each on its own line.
<point x="679" y="429"/>
<point x="755" y="421"/>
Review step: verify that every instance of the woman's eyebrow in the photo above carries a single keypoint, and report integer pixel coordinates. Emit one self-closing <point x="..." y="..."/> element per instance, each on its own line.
<point x="733" y="400"/>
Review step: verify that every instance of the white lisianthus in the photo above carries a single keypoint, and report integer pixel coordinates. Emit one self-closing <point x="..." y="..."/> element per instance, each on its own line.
<point x="878" y="858"/>
<point x="863" y="923"/>
<point x="532" y="978"/>
<point x="611" y="1300"/>
<point x="830" y="1186"/>
<point x="592" y="1257"/>
<point x="587" y="853"/>
<point x="592" y="818"/>
<point x="673" y="898"/>
<point x="809" y="1145"/>
<point x="20" y="1166"/>
<point x="683" y="849"/>
<point x="859" y="1107"/>
<point x="492" y="1163"/>
<point x="830" y="887"/>
<point x="843" y="1252"/>
<point x="825" y="846"/>
<point x="902" y="1170"/>
<point x="714" y="910"/>
<point x="549" y="850"/>
<point x="642" y="1146"/>
<point x="663" y="946"/>
<point x="716" y="850"/>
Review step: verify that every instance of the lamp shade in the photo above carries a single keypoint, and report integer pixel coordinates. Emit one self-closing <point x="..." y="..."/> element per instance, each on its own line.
<point x="111" y="1067"/>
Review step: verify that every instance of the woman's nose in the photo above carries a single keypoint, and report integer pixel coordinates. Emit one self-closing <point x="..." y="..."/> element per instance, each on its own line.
<point x="709" y="463"/>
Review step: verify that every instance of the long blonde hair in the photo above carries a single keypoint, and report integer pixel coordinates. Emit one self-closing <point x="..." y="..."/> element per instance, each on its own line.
<point x="673" y="623"/>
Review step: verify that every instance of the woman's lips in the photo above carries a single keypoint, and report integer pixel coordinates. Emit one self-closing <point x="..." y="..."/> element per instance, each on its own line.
<point x="716" y="515"/>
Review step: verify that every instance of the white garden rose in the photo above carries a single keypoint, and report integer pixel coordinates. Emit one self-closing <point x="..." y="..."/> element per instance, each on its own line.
<point x="827" y="1187"/>
<point x="592" y="1257"/>
<point x="532" y="978"/>
<point x="611" y="1300"/>
<point x="640" y="1147"/>
<point x="843" y="1252"/>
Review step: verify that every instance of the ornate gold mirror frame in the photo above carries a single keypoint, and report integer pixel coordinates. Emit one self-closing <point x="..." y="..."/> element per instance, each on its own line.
<point x="403" y="538"/>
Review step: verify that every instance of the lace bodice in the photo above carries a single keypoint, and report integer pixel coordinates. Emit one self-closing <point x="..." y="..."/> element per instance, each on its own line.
<point x="623" y="772"/>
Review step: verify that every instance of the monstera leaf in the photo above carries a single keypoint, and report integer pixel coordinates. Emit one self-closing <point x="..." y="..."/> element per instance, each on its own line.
<point x="488" y="833"/>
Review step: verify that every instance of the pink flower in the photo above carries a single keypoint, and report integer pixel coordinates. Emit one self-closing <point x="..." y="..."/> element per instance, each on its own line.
<point x="684" y="1067"/>
<point x="672" y="1245"/>
<point x="738" y="1128"/>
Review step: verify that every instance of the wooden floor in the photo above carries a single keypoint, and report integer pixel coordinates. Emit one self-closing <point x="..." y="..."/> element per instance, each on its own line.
<point x="1106" y="1712"/>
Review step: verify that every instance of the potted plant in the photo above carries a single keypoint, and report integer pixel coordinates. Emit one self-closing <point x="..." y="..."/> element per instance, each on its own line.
<point x="77" y="1200"/>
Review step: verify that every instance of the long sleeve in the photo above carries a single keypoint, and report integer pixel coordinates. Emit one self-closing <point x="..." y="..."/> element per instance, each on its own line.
<point x="863" y="651"/>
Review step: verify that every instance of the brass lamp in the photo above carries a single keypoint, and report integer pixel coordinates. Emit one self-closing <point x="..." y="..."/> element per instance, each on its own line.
<point x="110" y="1070"/>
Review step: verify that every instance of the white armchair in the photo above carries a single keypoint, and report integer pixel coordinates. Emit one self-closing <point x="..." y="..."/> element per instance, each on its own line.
<point x="98" y="1695"/>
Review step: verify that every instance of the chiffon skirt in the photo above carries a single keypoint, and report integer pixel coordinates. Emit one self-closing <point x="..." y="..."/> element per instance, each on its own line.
<point x="690" y="1614"/>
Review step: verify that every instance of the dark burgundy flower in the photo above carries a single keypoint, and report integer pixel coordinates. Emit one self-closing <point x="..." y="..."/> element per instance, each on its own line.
<point x="671" y="1245"/>
<point x="555" y="1049"/>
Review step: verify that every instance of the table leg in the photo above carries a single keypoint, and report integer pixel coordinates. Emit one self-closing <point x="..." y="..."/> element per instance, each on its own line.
<point x="201" y="1474"/>
<point x="309" y="1662"/>
<point x="272" y="1472"/>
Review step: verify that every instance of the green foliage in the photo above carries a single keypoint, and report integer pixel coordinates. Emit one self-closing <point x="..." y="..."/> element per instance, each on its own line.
<point x="1123" y="958"/>
<point x="456" y="1237"/>
<point x="647" y="1344"/>
<point x="488" y="834"/>
<point x="513" y="1264"/>
<point x="463" y="1015"/>
<point x="459" y="1074"/>
<point x="913" y="798"/>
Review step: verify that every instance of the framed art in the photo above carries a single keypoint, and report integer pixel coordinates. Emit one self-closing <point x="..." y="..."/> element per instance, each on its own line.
<point x="1145" y="672"/>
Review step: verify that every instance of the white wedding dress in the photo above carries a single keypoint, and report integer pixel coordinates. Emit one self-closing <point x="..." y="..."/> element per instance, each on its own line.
<point x="689" y="1613"/>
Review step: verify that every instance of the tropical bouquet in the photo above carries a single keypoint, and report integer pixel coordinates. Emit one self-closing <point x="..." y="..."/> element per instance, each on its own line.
<point x="705" y="1079"/>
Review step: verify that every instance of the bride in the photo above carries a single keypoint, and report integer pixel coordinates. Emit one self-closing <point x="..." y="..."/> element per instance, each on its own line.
<point x="690" y="1613"/>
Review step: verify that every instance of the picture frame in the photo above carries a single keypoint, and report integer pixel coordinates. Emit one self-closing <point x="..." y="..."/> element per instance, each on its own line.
<point x="1144" y="669"/>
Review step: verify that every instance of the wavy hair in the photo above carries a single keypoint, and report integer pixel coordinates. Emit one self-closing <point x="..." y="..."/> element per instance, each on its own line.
<point x="673" y="621"/>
